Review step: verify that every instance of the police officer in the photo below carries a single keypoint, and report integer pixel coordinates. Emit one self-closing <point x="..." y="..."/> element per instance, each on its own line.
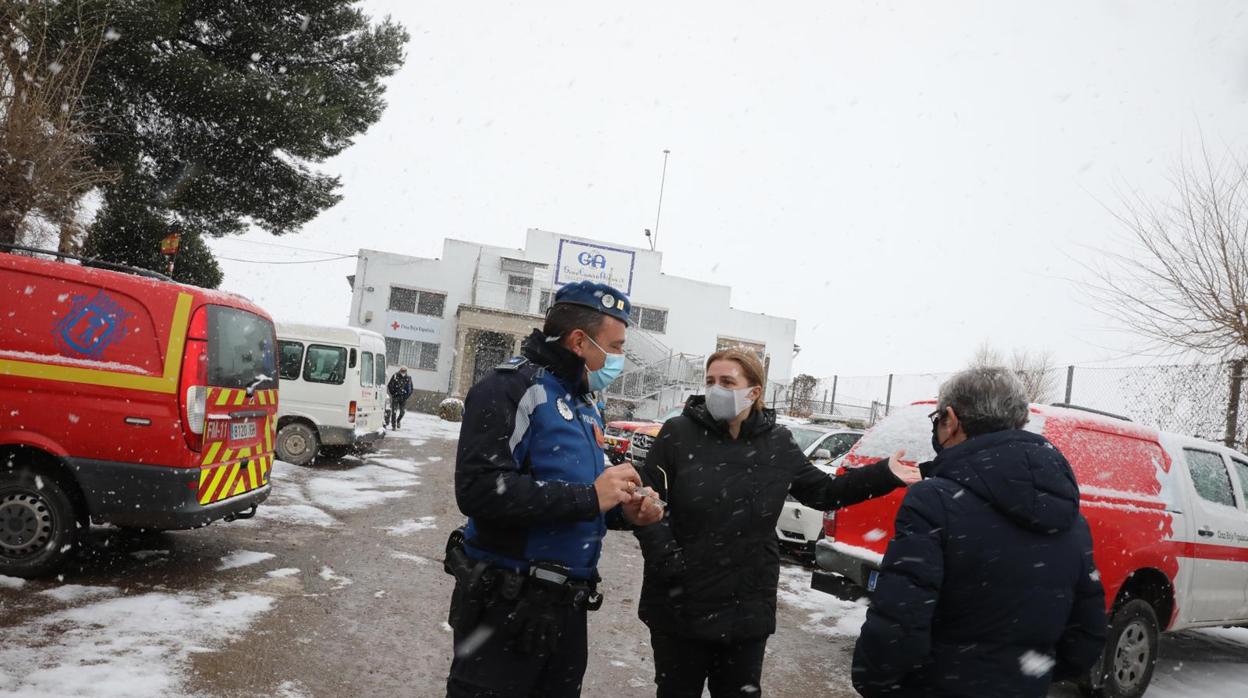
<point x="530" y="476"/>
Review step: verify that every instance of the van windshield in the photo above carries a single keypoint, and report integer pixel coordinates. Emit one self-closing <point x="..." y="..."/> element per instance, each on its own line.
<point x="240" y="349"/>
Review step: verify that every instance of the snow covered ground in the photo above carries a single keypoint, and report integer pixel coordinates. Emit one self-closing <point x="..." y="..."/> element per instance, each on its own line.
<point x="117" y="640"/>
<point x="145" y="631"/>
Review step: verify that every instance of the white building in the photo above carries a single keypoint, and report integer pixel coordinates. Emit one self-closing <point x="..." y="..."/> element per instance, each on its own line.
<point x="452" y="319"/>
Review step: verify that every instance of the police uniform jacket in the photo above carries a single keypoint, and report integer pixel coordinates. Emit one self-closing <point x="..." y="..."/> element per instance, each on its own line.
<point x="530" y="448"/>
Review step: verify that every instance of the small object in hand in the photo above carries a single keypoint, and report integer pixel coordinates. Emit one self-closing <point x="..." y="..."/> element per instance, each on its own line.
<point x="648" y="492"/>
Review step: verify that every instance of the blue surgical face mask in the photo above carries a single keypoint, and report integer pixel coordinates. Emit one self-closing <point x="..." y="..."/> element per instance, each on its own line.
<point x="611" y="370"/>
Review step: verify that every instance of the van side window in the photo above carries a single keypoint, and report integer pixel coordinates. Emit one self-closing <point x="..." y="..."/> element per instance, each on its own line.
<point x="366" y="368"/>
<point x="1241" y="469"/>
<point x="1210" y="476"/>
<point x="381" y="369"/>
<point x="291" y="359"/>
<point x="325" y="364"/>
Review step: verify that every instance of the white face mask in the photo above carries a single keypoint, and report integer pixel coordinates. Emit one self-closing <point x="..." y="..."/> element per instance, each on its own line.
<point x="725" y="404"/>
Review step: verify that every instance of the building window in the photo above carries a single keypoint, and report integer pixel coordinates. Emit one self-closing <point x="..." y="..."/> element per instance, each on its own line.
<point x="407" y="300"/>
<point x="760" y="350"/>
<point x="406" y="352"/>
<point x="544" y="302"/>
<point x="648" y="319"/>
<point x="519" y="293"/>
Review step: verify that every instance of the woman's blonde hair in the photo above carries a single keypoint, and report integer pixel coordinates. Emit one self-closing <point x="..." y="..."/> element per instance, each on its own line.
<point x="751" y="368"/>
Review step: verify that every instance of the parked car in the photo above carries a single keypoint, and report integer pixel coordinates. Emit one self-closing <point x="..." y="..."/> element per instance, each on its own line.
<point x="1168" y="514"/>
<point x="333" y="390"/>
<point x="129" y="400"/>
<point x="799" y="526"/>
<point x="643" y="436"/>
<point x="619" y="438"/>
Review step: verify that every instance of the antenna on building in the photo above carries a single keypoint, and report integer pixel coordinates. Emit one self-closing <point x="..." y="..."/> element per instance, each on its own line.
<point x="654" y="239"/>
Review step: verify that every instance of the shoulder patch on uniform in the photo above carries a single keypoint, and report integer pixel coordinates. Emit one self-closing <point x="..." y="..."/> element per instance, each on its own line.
<point x="512" y="364"/>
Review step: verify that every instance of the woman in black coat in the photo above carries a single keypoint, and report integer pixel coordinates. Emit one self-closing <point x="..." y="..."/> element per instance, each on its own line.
<point x="713" y="564"/>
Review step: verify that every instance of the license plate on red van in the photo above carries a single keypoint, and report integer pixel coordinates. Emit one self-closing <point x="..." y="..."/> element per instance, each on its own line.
<point x="242" y="431"/>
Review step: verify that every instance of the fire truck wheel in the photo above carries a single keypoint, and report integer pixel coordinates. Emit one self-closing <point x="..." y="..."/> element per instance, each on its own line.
<point x="1130" y="651"/>
<point x="37" y="524"/>
<point x="297" y="443"/>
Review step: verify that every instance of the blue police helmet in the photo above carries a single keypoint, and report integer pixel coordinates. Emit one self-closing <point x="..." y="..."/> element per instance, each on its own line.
<point x="600" y="297"/>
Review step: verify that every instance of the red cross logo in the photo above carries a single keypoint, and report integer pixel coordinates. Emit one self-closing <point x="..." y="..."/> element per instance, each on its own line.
<point x="394" y="325"/>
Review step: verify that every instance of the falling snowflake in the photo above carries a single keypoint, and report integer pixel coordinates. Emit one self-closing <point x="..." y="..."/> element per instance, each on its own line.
<point x="1035" y="664"/>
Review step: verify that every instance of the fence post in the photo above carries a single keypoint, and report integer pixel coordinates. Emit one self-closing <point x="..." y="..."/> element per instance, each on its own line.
<point x="888" y="399"/>
<point x="832" y="409"/>
<point x="1232" y="402"/>
<point x="823" y="407"/>
<point x="1070" y="383"/>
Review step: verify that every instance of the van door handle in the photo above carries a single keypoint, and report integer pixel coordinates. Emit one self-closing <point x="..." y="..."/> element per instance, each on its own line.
<point x="1205" y="532"/>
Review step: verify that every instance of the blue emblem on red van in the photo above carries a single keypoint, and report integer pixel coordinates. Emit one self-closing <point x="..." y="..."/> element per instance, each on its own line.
<point x="92" y="325"/>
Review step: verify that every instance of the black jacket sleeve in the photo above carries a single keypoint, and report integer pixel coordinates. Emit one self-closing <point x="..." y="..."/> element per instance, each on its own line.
<point x="818" y="490"/>
<point x="896" y="637"/>
<point x="489" y="483"/>
<point x="1084" y="636"/>
<point x="663" y="555"/>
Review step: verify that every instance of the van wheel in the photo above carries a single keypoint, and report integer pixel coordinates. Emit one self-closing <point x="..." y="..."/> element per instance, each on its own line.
<point x="297" y="443"/>
<point x="1130" y="656"/>
<point x="38" y="529"/>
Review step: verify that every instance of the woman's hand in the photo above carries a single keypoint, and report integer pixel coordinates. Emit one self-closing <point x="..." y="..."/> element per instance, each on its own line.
<point x="644" y="509"/>
<point x="908" y="474"/>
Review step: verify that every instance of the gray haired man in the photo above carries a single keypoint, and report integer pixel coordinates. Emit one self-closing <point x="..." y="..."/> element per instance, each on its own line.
<point x="988" y="587"/>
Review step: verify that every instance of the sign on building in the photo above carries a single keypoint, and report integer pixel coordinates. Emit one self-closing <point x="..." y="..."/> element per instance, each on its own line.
<point x="583" y="261"/>
<point x="421" y="328"/>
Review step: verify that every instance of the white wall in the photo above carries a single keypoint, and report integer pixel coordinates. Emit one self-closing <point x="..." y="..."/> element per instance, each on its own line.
<point x="698" y="312"/>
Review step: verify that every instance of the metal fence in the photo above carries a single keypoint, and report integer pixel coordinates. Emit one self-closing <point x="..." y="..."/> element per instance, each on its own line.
<point x="1205" y="400"/>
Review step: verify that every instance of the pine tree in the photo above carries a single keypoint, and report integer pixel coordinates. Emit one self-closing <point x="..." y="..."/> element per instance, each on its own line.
<point x="212" y="111"/>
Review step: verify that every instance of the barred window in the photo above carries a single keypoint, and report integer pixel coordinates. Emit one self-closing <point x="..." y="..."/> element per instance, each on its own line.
<point x="649" y="319"/>
<point x="407" y="300"/>
<point x="416" y="355"/>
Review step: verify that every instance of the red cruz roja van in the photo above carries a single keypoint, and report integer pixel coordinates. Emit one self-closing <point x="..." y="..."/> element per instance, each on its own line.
<point x="126" y="400"/>
<point x="1168" y="514"/>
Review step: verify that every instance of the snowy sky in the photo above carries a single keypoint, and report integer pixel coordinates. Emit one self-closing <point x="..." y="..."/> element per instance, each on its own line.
<point x="906" y="181"/>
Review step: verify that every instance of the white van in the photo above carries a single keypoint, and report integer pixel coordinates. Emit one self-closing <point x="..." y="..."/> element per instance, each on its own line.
<point x="332" y="390"/>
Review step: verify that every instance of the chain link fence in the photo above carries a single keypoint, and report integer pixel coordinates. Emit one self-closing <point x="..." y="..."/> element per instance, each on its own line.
<point x="1208" y="401"/>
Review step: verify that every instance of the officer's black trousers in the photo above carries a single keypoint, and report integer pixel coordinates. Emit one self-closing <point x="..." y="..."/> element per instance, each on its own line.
<point x="487" y="666"/>
<point x="682" y="666"/>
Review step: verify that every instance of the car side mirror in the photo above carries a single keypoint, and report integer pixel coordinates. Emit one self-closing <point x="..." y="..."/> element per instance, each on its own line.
<point x="822" y="454"/>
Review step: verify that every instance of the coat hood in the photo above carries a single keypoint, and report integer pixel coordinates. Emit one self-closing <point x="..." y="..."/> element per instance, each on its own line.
<point x="1020" y="474"/>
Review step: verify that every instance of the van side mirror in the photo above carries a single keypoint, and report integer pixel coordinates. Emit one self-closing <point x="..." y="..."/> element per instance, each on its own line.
<point x="822" y="454"/>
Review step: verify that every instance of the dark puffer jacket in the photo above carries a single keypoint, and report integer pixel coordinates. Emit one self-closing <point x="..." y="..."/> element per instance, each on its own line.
<point x="988" y="587"/>
<point x="713" y="564"/>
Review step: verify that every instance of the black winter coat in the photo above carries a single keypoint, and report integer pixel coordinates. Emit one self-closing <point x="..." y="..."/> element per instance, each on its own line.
<point x="988" y="587"/>
<point x="400" y="386"/>
<point x="713" y="564"/>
